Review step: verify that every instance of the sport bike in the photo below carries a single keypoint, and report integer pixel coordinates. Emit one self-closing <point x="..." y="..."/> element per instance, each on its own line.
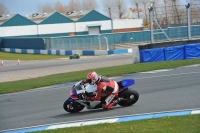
<point x="77" y="100"/>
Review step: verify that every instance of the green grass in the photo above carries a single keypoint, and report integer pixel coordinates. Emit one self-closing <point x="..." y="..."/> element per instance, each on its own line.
<point x="176" y="124"/>
<point x="16" y="56"/>
<point x="15" y="86"/>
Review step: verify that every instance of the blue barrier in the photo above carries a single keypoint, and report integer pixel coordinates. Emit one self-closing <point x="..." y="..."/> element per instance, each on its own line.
<point x="88" y="52"/>
<point x="175" y="53"/>
<point x="152" y="55"/>
<point x="192" y="51"/>
<point x="188" y="51"/>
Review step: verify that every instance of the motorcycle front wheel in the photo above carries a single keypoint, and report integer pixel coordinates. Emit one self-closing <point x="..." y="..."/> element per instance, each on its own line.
<point x="129" y="97"/>
<point x="72" y="107"/>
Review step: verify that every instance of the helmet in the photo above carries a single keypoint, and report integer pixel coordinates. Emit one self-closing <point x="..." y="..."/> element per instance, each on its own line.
<point x="93" y="76"/>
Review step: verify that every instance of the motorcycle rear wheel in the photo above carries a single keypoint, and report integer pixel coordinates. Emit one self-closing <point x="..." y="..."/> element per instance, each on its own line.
<point x="72" y="107"/>
<point x="130" y="96"/>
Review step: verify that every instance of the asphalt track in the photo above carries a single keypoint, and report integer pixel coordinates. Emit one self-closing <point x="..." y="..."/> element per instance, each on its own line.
<point x="33" y="69"/>
<point x="172" y="89"/>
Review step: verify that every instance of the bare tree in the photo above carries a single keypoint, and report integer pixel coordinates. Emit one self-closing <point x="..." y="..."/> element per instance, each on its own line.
<point x="174" y="5"/>
<point x="145" y="4"/>
<point x="3" y="9"/>
<point x="137" y="4"/>
<point x="155" y="5"/>
<point x="165" y="4"/>
<point x="120" y="8"/>
<point x="137" y="7"/>
<point x="47" y="8"/>
<point x="195" y="10"/>
<point x="109" y="7"/>
<point x="88" y="4"/>
<point x="59" y="7"/>
<point x="74" y="5"/>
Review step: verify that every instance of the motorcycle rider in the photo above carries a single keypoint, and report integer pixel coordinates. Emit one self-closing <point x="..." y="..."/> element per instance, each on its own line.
<point x="110" y="87"/>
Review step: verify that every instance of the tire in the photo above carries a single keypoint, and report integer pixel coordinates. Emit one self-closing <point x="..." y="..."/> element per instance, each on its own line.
<point x="129" y="100"/>
<point x="75" y="106"/>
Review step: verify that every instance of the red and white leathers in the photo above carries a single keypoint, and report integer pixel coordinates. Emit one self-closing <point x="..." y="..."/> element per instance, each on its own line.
<point x="108" y="86"/>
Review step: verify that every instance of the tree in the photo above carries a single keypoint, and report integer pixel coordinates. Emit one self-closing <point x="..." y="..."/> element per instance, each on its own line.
<point x="109" y="7"/>
<point x="59" y="7"/>
<point x="145" y="2"/>
<point x="88" y="4"/>
<point x="174" y="6"/>
<point x="194" y="10"/>
<point x="165" y="4"/>
<point x="74" y="5"/>
<point x="47" y="8"/>
<point x="3" y="10"/>
<point x="121" y="8"/>
<point x="137" y="4"/>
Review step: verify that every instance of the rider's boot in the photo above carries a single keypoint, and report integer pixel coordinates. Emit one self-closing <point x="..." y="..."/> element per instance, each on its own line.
<point x="114" y="103"/>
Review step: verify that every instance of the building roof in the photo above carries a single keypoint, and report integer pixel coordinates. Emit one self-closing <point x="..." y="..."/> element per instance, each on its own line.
<point x="93" y="15"/>
<point x="15" y="20"/>
<point x="4" y="18"/>
<point x="38" y="17"/>
<point x="56" y="18"/>
<point x="76" y="15"/>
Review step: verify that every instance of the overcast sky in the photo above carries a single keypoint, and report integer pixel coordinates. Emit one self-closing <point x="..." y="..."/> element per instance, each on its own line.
<point x="27" y="7"/>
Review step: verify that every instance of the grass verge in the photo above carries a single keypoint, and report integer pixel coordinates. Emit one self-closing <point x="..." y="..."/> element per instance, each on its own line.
<point x="15" y="86"/>
<point x="16" y="56"/>
<point x="176" y="124"/>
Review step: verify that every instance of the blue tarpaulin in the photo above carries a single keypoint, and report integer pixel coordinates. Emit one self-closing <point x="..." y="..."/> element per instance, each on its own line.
<point x="175" y="53"/>
<point x="192" y="51"/>
<point x="152" y="55"/>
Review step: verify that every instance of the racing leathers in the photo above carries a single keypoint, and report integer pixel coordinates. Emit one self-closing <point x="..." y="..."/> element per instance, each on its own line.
<point x="108" y="86"/>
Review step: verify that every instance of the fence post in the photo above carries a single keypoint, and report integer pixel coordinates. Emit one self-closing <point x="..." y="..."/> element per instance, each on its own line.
<point x="151" y="23"/>
<point x="106" y="43"/>
<point x="188" y="21"/>
<point x="91" y="43"/>
<point x="63" y="44"/>
<point x="99" y="43"/>
<point x="83" y="43"/>
<point x="70" y="47"/>
<point x="76" y="44"/>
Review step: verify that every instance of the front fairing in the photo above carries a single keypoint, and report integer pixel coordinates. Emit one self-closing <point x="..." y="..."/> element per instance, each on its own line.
<point x="75" y="91"/>
<point x="70" y="99"/>
<point x="91" y="88"/>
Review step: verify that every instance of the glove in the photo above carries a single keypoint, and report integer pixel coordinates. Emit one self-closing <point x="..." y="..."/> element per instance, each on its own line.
<point x="82" y="82"/>
<point x="88" y="99"/>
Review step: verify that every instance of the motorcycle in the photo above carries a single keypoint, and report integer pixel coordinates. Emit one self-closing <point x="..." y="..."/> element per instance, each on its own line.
<point x="77" y="100"/>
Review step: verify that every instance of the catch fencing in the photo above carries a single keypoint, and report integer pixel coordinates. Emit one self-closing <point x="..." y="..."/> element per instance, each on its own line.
<point x="174" y="23"/>
<point x="166" y="24"/>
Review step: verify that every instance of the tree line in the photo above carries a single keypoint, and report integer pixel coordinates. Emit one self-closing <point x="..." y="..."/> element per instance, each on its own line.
<point x="165" y="11"/>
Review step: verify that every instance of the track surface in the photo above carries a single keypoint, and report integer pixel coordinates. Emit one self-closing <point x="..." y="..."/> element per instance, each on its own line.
<point x="32" y="69"/>
<point x="175" y="89"/>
